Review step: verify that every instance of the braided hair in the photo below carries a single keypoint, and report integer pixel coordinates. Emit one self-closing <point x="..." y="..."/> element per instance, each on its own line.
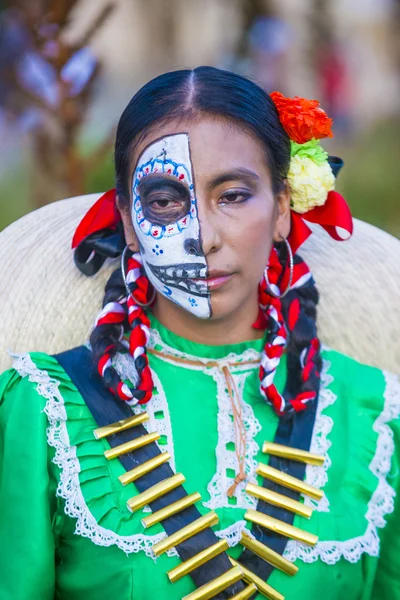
<point x="290" y="321"/>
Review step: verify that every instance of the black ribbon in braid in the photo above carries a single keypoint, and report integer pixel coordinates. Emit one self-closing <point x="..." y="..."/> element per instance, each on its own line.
<point x="92" y="252"/>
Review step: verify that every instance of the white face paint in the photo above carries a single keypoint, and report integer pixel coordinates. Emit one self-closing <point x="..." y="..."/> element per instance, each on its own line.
<point x="164" y="215"/>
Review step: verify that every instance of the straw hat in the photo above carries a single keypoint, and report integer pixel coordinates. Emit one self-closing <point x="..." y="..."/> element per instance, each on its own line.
<point x="48" y="305"/>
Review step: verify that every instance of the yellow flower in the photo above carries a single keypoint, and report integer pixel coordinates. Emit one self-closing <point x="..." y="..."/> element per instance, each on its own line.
<point x="309" y="183"/>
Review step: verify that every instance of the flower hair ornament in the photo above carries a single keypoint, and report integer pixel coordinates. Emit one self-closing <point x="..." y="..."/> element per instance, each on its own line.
<point x="312" y="172"/>
<point x="311" y="179"/>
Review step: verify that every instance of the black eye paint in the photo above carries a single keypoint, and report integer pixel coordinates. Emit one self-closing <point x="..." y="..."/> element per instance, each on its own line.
<point x="164" y="199"/>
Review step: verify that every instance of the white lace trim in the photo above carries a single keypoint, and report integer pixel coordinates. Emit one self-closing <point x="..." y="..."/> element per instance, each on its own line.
<point x="233" y="533"/>
<point x="226" y="457"/>
<point x="66" y="459"/>
<point x="318" y="476"/>
<point x="381" y="502"/>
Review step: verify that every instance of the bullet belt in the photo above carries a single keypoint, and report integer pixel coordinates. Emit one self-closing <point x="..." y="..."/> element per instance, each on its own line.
<point x="162" y="489"/>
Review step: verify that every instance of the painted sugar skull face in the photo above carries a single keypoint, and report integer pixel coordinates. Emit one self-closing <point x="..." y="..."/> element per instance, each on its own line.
<point x="164" y="215"/>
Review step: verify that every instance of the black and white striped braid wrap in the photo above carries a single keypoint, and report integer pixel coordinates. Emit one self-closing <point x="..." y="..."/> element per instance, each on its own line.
<point x="127" y="312"/>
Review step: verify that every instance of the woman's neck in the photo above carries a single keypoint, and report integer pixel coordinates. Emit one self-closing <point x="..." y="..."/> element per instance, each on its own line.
<point x="232" y="329"/>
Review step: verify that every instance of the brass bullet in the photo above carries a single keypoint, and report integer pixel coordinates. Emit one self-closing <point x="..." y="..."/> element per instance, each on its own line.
<point x="212" y="588"/>
<point x="279" y="500"/>
<point x="171" y="509"/>
<point x="281" y="527"/>
<point x="293" y="454"/>
<point x="144" y="468"/>
<point x="248" y="592"/>
<point x="122" y="425"/>
<point x="185" y="533"/>
<point x="289" y="481"/>
<point x="196" y="561"/>
<point x="131" y="445"/>
<point x="154" y="492"/>
<point x="250" y="577"/>
<point x="269" y="555"/>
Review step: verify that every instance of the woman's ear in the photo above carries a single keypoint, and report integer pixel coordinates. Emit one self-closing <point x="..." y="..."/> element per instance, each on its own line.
<point x="282" y="223"/>
<point x="130" y="235"/>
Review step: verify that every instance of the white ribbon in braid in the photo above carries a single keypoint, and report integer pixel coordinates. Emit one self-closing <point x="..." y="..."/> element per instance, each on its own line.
<point x="276" y="340"/>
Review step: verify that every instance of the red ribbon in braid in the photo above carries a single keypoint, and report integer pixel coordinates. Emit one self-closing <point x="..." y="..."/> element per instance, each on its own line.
<point x="114" y="313"/>
<point x="276" y="341"/>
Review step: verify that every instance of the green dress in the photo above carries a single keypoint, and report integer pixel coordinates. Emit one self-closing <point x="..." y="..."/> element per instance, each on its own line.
<point x="66" y="532"/>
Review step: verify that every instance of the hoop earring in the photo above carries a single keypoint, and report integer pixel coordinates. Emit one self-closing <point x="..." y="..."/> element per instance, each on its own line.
<point x="123" y="272"/>
<point x="290" y="255"/>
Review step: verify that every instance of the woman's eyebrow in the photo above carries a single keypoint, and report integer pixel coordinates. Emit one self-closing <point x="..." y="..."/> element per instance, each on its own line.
<point x="239" y="173"/>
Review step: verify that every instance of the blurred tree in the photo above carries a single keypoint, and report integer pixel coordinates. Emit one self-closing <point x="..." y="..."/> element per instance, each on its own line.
<point x="251" y="11"/>
<point x="330" y="65"/>
<point x="262" y="49"/>
<point x="396" y="32"/>
<point x="163" y="23"/>
<point x="320" y="25"/>
<point x="46" y="86"/>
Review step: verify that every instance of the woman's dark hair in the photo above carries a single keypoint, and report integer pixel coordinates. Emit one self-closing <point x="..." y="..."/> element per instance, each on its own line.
<point x="187" y="94"/>
<point x="205" y="90"/>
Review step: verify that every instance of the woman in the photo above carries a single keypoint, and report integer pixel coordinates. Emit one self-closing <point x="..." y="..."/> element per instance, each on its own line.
<point x="207" y="335"/>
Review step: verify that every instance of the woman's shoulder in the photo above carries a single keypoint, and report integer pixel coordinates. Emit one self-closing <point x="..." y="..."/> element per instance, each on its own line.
<point x="32" y="380"/>
<point x="360" y="386"/>
<point x="347" y="361"/>
<point x="360" y="410"/>
<point x="361" y="407"/>
<point x="358" y="431"/>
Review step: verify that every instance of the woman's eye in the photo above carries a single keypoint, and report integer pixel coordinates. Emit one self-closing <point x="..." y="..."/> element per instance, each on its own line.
<point x="234" y="197"/>
<point x="163" y="203"/>
<point x="163" y="208"/>
<point x="164" y="200"/>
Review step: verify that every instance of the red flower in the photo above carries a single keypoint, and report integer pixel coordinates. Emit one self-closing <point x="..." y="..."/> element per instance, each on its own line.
<point x="302" y="119"/>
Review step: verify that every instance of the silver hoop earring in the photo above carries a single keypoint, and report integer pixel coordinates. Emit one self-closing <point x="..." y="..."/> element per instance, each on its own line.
<point x="128" y="291"/>
<point x="290" y="255"/>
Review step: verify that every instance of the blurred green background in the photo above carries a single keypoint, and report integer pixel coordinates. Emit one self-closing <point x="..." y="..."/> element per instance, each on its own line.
<point x="68" y="68"/>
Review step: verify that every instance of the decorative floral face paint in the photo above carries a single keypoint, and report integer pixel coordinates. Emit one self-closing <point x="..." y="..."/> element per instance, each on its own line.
<point x="164" y="215"/>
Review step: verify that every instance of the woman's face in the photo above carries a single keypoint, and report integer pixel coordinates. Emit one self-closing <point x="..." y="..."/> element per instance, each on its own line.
<point x="203" y="215"/>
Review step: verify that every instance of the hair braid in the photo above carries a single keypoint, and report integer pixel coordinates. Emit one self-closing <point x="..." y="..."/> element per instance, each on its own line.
<point x="120" y="313"/>
<point x="304" y="360"/>
<point x="291" y="323"/>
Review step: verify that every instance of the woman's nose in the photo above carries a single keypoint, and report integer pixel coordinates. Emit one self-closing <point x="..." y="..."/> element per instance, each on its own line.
<point x="193" y="247"/>
<point x="210" y="233"/>
<point x="209" y="222"/>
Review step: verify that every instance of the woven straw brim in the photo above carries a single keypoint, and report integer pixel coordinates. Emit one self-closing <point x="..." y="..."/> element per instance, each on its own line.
<point x="48" y="306"/>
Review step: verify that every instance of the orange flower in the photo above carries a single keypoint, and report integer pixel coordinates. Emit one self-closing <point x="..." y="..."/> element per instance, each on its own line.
<point x="302" y="119"/>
